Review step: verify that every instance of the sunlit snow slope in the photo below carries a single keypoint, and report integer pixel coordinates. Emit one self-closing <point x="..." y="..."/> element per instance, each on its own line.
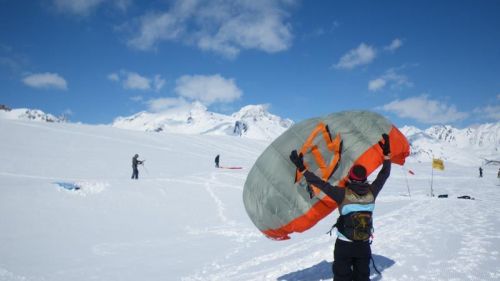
<point x="184" y="219"/>
<point x="251" y="121"/>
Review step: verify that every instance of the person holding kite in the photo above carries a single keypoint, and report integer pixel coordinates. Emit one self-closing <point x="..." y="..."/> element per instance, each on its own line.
<point x="356" y="203"/>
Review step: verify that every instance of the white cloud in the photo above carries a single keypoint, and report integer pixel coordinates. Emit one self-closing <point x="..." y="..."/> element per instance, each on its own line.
<point x="262" y="31"/>
<point x="207" y="89"/>
<point x="363" y="54"/>
<point x="425" y="110"/>
<point x="222" y="26"/>
<point x="493" y="112"/>
<point x="395" y="44"/>
<point x="392" y="78"/>
<point x="154" y="28"/>
<point x="45" y="80"/>
<point x="135" y="81"/>
<point x="158" y="82"/>
<point x="85" y="7"/>
<point x="160" y="104"/>
<point x="490" y="112"/>
<point x="376" y="84"/>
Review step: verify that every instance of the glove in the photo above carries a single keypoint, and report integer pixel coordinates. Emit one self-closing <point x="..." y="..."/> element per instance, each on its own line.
<point x="386" y="146"/>
<point x="298" y="160"/>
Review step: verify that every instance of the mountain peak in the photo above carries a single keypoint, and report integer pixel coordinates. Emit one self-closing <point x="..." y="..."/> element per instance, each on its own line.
<point x="255" y="108"/>
<point x="28" y="114"/>
<point x="251" y="121"/>
<point x="198" y="107"/>
<point x="466" y="146"/>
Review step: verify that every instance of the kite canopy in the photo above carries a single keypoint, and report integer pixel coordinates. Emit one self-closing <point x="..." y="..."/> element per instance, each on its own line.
<point x="277" y="197"/>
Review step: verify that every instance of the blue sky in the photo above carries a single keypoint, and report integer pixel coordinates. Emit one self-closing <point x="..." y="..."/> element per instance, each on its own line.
<point x="417" y="62"/>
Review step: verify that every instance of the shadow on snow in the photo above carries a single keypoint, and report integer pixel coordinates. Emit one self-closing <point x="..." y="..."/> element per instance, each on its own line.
<point x="323" y="271"/>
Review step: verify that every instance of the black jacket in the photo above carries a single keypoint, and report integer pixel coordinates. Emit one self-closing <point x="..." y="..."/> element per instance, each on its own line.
<point x="338" y="193"/>
<point x="136" y="162"/>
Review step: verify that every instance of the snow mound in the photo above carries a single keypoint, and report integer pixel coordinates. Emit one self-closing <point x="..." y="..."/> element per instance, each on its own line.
<point x="83" y="188"/>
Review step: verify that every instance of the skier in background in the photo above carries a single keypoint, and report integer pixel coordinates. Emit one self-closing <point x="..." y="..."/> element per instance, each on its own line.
<point x="480" y="172"/>
<point x="135" y="170"/>
<point x="217" y="161"/>
<point x="498" y="175"/>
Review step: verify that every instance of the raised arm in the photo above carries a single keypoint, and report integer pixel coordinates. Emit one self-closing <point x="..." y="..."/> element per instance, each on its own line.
<point x="384" y="173"/>
<point x="334" y="192"/>
<point x="382" y="176"/>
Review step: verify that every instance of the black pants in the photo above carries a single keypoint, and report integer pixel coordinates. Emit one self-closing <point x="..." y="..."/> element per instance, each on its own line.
<point x="351" y="261"/>
<point x="135" y="173"/>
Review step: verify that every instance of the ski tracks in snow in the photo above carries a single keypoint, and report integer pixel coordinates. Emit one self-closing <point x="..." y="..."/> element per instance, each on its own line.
<point x="229" y="227"/>
<point x="236" y="265"/>
<point x="220" y="206"/>
<point x="428" y="238"/>
<point x="440" y="239"/>
<point x="242" y="236"/>
<point x="272" y="264"/>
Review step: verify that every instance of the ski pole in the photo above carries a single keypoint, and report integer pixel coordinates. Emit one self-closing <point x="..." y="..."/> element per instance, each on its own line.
<point x="407" y="185"/>
<point x="144" y="166"/>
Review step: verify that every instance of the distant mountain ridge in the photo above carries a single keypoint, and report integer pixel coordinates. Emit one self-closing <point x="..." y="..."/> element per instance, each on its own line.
<point x="28" y="114"/>
<point x="468" y="146"/>
<point x="471" y="145"/>
<point x="251" y="121"/>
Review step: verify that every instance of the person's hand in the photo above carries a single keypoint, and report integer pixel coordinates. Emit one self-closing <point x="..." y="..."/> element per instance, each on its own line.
<point x="298" y="160"/>
<point x="386" y="145"/>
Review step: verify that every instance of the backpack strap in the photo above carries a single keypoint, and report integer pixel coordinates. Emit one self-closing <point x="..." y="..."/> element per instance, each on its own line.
<point x="339" y="222"/>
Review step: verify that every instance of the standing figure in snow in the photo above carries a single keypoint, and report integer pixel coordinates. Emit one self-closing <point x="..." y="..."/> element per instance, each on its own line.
<point x="217" y="161"/>
<point x="480" y="172"/>
<point x="135" y="170"/>
<point x="498" y="174"/>
<point x="356" y="202"/>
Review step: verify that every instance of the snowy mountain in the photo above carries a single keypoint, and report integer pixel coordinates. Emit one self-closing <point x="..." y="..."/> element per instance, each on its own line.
<point x="252" y="121"/>
<point x="27" y="114"/>
<point x="482" y="136"/>
<point x="470" y="146"/>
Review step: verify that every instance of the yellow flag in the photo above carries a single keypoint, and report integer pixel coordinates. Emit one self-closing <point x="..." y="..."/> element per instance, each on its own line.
<point x="438" y="164"/>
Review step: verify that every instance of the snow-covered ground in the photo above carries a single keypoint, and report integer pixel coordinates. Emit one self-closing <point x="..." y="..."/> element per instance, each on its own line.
<point x="184" y="219"/>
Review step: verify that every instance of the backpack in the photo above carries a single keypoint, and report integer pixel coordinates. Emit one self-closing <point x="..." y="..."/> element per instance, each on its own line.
<point x="356" y="226"/>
